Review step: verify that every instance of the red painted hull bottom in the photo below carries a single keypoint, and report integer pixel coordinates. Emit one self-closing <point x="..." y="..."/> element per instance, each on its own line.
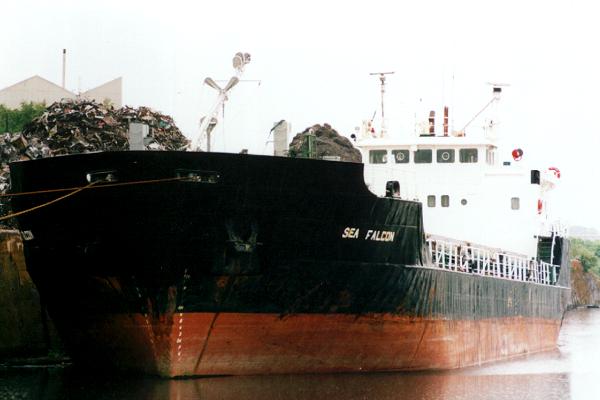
<point x="187" y="344"/>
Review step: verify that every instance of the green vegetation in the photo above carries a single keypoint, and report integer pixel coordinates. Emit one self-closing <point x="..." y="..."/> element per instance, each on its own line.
<point x="15" y="120"/>
<point x="588" y="253"/>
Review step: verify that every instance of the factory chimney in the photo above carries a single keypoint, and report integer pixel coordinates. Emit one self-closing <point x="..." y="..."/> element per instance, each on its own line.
<point x="64" y="67"/>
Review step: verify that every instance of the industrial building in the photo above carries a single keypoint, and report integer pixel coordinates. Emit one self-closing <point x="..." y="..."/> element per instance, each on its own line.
<point x="39" y="90"/>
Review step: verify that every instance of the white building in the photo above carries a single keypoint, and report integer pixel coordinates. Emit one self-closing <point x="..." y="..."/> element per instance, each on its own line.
<point x="39" y="90"/>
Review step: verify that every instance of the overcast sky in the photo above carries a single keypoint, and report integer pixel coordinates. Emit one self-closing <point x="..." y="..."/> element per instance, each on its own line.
<point x="312" y="61"/>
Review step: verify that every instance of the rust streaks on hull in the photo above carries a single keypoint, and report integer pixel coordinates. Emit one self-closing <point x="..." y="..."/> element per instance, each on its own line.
<point x="245" y="343"/>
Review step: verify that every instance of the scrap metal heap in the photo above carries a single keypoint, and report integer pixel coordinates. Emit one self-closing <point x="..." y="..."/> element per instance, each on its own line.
<point x="327" y="143"/>
<point x="73" y="126"/>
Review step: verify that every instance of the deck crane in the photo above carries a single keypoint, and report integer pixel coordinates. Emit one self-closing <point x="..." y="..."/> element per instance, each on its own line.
<point x="208" y="123"/>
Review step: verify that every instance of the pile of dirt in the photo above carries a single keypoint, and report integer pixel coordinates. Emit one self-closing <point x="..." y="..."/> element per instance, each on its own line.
<point x="328" y="143"/>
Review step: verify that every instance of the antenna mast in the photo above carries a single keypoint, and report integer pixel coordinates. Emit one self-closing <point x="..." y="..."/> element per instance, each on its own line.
<point x="382" y="80"/>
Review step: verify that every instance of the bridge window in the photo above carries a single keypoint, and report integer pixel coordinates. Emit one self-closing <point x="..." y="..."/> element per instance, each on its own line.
<point x="423" y="156"/>
<point x="445" y="200"/>
<point x="431" y="201"/>
<point x="468" y="155"/>
<point x="378" y="156"/>
<point x="401" y="156"/>
<point x="445" y="156"/>
<point x="515" y="203"/>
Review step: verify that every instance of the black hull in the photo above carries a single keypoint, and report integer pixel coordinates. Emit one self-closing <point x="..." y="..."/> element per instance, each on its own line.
<point x="270" y="236"/>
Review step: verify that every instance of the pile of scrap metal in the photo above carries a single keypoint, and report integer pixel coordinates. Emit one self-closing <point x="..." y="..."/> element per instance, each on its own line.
<point x="81" y="126"/>
<point x="73" y="126"/>
<point x="323" y="142"/>
<point x="164" y="134"/>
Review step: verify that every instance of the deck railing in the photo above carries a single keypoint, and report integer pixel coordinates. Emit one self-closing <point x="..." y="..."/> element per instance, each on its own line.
<point x="462" y="257"/>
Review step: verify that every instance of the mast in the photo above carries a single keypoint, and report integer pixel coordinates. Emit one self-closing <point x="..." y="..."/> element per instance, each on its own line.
<point x="382" y="80"/>
<point x="207" y="124"/>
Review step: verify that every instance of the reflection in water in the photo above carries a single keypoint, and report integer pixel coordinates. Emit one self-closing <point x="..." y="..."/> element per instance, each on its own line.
<point x="43" y="385"/>
<point x="570" y="372"/>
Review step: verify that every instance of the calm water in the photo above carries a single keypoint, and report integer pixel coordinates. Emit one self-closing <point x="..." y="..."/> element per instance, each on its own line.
<point x="570" y="372"/>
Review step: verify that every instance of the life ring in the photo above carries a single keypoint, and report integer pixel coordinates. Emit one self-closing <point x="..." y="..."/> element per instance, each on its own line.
<point x="517" y="154"/>
<point x="555" y="171"/>
<point x="540" y="206"/>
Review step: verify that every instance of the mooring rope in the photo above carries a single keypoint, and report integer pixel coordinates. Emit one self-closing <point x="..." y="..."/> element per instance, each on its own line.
<point x="147" y="181"/>
<point x="12" y="215"/>
<point x="75" y="190"/>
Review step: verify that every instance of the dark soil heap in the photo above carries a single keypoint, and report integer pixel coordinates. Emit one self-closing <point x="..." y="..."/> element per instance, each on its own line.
<point x="327" y="143"/>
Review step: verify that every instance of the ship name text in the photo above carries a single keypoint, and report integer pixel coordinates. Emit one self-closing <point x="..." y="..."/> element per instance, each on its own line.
<point x="372" y="234"/>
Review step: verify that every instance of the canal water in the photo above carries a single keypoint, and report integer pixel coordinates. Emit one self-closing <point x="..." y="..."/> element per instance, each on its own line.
<point x="572" y="371"/>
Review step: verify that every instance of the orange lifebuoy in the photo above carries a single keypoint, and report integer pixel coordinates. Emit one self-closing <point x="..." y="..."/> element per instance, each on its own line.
<point x="540" y="206"/>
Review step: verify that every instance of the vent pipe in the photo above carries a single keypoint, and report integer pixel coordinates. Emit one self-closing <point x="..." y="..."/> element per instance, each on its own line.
<point x="445" y="120"/>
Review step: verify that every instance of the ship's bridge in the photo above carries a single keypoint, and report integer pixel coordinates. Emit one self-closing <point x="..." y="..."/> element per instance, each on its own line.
<point x="467" y="192"/>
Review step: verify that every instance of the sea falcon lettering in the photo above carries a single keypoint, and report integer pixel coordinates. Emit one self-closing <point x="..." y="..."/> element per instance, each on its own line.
<point x="350" y="233"/>
<point x="380" y="236"/>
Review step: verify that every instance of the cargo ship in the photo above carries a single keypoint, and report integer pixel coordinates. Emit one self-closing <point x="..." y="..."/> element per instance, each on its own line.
<point x="430" y="255"/>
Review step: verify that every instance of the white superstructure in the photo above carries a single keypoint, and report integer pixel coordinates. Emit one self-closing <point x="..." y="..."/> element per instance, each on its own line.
<point x="468" y="193"/>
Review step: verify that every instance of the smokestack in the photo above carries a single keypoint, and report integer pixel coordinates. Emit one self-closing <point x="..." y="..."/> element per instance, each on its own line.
<point x="445" y="120"/>
<point x="431" y="122"/>
<point x="64" y="67"/>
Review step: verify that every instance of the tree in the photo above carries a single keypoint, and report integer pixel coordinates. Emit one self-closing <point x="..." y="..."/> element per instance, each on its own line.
<point x="588" y="253"/>
<point x="14" y="120"/>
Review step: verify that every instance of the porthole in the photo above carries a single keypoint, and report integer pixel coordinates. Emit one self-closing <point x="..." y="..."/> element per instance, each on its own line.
<point x="400" y="156"/>
<point x="445" y="155"/>
<point x="463" y="202"/>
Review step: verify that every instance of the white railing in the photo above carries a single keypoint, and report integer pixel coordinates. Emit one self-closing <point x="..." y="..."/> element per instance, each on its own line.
<point x="462" y="257"/>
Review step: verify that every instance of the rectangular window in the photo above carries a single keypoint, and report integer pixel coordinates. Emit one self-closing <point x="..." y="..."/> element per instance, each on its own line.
<point x="430" y="201"/>
<point x="445" y="200"/>
<point x="445" y="156"/>
<point x="423" y="156"/>
<point x="401" y="156"/>
<point x="515" y="203"/>
<point x="468" y="155"/>
<point x="378" y="156"/>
